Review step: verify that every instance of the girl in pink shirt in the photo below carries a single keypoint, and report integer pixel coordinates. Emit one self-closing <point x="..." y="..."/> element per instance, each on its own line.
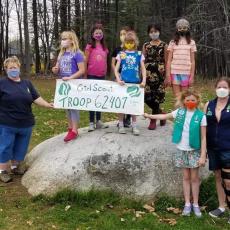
<point x="181" y="58"/>
<point x="96" y="61"/>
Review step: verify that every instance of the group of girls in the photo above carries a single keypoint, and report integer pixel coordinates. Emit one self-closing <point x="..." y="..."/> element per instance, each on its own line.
<point x="157" y="66"/>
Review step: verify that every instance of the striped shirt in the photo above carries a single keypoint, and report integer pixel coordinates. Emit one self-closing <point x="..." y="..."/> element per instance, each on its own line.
<point x="181" y="59"/>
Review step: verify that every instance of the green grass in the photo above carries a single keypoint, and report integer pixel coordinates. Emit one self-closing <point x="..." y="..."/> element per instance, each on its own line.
<point x="102" y="210"/>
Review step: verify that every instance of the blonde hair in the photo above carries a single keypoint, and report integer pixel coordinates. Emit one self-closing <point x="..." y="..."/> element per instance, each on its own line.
<point x="73" y="37"/>
<point x="187" y="93"/>
<point x="13" y="60"/>
<point x="131" y="36"/>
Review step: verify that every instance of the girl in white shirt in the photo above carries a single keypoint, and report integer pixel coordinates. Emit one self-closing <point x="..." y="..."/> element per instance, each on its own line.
<point x="190" y="136"/>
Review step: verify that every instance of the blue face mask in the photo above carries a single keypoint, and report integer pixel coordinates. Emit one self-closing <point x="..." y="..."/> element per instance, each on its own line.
<point x="13" y="73"/>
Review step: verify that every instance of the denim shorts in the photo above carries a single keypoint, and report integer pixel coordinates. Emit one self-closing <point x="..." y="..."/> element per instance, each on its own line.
<point x="14" y="143"/>
<point x="218" y="159"/>
<point x="180" y="79"/>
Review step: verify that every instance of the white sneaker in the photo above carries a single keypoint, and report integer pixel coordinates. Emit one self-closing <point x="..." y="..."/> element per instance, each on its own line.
<point x="91" y="127"/>
<point x="136" y="131"/>
<point x="121" y="130"/>
<point x="101" y="125"/>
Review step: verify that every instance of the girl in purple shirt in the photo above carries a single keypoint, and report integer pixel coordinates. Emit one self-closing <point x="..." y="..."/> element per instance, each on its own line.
<point x="70" y="65"/>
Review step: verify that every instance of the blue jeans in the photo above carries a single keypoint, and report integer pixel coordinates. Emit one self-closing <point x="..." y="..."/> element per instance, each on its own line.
<point x="92" y="113"/>
<point x="14" y="143"/>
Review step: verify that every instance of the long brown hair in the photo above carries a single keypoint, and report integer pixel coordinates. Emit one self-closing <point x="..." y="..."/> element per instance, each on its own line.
<point x="97" y="26"/>
<point x="227" y="80"/>
<point x="177" y="37"/>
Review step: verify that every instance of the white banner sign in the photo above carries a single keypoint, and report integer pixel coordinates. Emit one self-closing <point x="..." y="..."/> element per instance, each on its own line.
<point x="99" y="95"/>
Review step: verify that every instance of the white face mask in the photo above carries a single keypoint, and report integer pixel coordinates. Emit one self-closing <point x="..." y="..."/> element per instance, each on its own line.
<point x="222" y="92"/>
<point x="65" y="43"/>
<point x="154" y="35"/>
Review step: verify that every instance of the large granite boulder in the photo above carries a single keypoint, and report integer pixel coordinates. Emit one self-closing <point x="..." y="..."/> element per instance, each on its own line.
<point x="134" y="166"/>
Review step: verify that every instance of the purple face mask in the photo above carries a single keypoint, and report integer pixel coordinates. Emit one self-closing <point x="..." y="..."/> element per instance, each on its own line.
<point x="98" y="37"/>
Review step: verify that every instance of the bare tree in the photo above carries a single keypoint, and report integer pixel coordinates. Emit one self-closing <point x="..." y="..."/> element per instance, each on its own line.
<point x="27" y="39"/>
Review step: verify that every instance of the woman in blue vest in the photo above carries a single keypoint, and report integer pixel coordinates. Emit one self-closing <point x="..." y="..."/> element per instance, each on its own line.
<point x="189" y="134"/>
<point x="218" y="142"/>
<point x="130" y="62"/>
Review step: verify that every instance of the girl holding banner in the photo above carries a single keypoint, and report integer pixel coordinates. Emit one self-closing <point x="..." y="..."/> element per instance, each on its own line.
<point x="70" y="65"/>
<point x="129" y="62"/>
<point x="96" y="61"/>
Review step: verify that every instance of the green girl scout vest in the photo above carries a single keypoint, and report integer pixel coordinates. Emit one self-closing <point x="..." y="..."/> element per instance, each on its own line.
<point x="194" y="127"/>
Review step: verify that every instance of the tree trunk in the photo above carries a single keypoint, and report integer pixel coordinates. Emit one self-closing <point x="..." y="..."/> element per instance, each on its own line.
<point x="36" y="42"/>
<point x="27" y="39"/>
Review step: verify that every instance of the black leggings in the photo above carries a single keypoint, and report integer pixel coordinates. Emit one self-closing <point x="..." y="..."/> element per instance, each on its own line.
<point x="154" y="106"/>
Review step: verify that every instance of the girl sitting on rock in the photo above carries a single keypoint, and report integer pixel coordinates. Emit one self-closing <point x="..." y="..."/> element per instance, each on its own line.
<point x="189" y="134"/>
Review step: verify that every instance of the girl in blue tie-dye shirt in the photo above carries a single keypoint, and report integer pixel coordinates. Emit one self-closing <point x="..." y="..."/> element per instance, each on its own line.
<point x="130" y="62"/>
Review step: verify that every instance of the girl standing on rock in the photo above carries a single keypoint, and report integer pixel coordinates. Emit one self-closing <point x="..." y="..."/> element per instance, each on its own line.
<point x="155" y="58"/>
<point x="181" y="58"/>
<point x="117" y="50"/>
<point x="70" y="65"/>
<point x="130" y="61"/>
<point x="189" y="134"/>
<point x="96" y="61"/>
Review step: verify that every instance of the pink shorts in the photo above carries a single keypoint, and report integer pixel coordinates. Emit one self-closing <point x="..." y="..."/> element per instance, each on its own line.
<point x="180" y="79"/>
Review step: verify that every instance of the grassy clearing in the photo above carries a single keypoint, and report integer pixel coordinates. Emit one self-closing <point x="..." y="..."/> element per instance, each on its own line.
<point x="95" y="210"/>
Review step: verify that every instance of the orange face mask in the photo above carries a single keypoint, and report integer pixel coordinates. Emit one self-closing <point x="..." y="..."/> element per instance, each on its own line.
<point x="190" y="105"/>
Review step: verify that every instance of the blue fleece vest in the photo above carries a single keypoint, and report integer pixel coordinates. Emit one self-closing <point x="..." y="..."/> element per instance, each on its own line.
<point x="218" y="134"/>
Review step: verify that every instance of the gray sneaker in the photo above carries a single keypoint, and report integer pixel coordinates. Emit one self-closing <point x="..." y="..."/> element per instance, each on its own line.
<point x="121" y="130"/>
<point x="187" y="210"/>
<point x="216" y="213"/>
<point x="197" y="211"/>
<point x="101" y="125"/>
<point x="136" y="131"/>
<point x="91" y="127"/>
<point x="5" y="177"/>
<point x="18" y="171"/>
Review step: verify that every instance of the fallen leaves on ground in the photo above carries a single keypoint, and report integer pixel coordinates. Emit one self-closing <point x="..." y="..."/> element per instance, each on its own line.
<point x="109" y="206"/>
<point x="67" y="207"/>
<point x="174" y="210"/>
<point x="29" y="222"/>
<point x="149" y="208"/>
<point x="139" y="214"/>
<point x="203" y="208"/>
<point x="169" y="221"/>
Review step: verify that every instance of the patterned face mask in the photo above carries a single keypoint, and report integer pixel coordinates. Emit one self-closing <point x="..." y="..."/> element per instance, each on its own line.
<point x="129" y="46"/>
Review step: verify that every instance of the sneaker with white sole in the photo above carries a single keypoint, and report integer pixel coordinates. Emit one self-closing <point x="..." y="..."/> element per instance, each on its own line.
<point x="101" y="125"/>
<point x="136" y="131"/>
<point x="91" y="127"/>
<point x="121" y="130"/>
<point x="197" y="211"/>
<point x="216" y="213"/>
<point x="187" y="210"/>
